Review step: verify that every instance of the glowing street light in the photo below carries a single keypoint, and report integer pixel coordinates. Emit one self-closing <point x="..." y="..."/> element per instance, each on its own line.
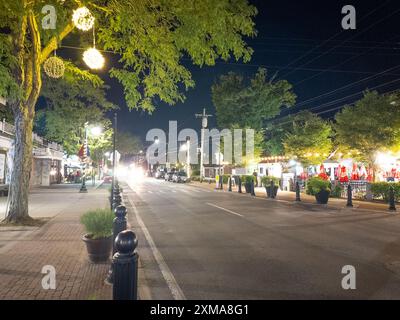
<point x="94" y="59"/>
<point x="96" y="131"/>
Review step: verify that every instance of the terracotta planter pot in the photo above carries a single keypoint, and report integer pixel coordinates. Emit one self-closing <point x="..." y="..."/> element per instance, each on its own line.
<point x="322" y="197"/>
<point x="99" y="250"/>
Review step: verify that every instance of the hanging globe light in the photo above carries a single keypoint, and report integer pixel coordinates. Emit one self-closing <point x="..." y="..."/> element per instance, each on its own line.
<point x="83" y="19"/>
<point x="54" y="67"/>
<point x="93" y="58"/>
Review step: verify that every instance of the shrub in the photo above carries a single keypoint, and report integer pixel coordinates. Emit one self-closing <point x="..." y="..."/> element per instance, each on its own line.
<point x="266" y="181"/>
<point x="225" y="178"/>
<point x="98" y="223"/>
<point x="195" y="178"/>
<point x="337" y="191"/>
<point x="380" y="190"/>
<point x="317" y="184"/>
<point x="248" y="179"/>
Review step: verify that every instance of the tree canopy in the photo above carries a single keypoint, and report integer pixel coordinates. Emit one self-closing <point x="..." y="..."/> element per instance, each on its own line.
<point x="248" y="103"/>
<point x="372" y="124"/>
<point x="310" y="139"/>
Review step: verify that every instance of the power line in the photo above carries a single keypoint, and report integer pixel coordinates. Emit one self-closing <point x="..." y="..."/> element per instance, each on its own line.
<point x="356" y="35"/>
<point x="334" y="36"/>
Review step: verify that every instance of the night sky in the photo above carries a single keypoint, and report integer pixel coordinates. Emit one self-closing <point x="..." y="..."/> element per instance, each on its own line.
<point x="303" y="42"/>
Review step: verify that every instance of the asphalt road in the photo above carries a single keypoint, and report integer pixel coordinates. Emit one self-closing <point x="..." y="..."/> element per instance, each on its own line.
<point x="196" y="243"/>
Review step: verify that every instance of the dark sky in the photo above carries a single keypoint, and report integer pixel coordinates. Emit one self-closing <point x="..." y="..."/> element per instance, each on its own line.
<point x="303" y="42"/>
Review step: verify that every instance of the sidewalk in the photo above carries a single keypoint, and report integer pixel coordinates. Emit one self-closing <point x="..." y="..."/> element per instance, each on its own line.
<point x="58" y="243"/>
<point x="287" y="196"/>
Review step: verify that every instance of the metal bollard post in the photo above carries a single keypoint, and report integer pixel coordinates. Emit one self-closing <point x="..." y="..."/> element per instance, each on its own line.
<point x="125" y="263"/>
<point x="230" y="184"/>
<point x="252" y="188"/>
<point x="120" y="223"/>
<point x="392" y="204"/>
<point x="240" y="186"/>
<point x="117" y="201"/>
<point x="349" y="196"/>
<point x="298" y="191"/>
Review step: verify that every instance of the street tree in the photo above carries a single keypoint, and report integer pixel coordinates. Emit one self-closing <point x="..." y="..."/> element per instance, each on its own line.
<point x="310" y="140"/>
<point x="128" y="144"/>
<point x="249" y="102"/>
<point x="372" y="124"/>
<point x="150" y="37"/>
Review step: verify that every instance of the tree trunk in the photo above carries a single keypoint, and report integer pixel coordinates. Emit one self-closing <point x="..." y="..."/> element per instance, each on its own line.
<point x="22" y="166"/>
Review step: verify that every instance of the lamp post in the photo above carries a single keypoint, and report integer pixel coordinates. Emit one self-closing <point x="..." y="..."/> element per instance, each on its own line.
<point x="83" y="188"/>
<point x="114" y="154"/>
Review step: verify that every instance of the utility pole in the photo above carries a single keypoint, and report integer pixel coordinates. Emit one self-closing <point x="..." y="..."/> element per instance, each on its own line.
<point x="204" y="122"/>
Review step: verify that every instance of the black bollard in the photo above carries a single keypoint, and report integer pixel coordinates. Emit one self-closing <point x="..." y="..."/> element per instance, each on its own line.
<point x="240" y="185"/>
<point x="298" y="191"/>
<point x="272" y="189"/>
<point x="120" y="223"/>
<point x="125" y="263"/>
<point x="230" y="184"/>
<point x="117" y="201"/>
<point x="392" y="204"/>
<point x="252" y="188"/>
<point x="349" y="196"/>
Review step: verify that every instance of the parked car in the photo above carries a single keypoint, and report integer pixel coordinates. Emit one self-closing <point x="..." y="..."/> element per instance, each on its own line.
<point x="168" y="176"/>
<point x="180" y="176"/>
<point x="160" y="174"/>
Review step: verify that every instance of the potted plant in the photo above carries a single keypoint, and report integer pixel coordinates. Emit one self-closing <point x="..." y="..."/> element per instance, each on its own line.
<point x="320" y="188"/>
<point x="98" y="239"/>
<point x="247" y="182"/>
<point x="266" y="182"/>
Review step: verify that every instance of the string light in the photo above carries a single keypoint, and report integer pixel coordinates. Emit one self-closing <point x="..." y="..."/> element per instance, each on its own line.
<point x="54" y="67"/>
<point x="93" y="58"/>
<point x="83" y="19"/>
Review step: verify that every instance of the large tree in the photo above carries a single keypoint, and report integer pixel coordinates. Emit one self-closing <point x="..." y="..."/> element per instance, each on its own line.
<point x="310" y="140"/>
<point x="249" y="102"/>
<point x="128" y="144"/>
<point x="151" y="38"/>
<point x="372" y="124"/>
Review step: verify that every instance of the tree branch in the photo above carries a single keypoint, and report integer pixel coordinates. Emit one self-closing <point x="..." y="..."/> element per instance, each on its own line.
<point x="36" y="50"/>
<point x="53" y="43"/>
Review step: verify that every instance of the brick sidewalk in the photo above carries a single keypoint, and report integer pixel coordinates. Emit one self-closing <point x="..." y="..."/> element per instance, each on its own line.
<point x="57" y="243"/>
<point x="306" y="199"/>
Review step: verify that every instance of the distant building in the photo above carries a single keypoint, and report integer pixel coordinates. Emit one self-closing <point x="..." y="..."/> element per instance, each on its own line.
<point x="47" y="157"/>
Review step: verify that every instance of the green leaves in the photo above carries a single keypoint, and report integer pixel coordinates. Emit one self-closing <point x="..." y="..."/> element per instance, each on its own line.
<point x="238" y="102"/>
<point x="371" y="125"/>
<point x="310" y="139"/>
<point x="153" y="37"/>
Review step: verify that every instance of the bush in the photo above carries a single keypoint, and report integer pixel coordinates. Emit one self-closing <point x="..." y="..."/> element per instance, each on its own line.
<point x="337" y="191"/>
<point x="195" y="178"/>
<point x="380" y="190"/>
<point x="316" y="185"/>
<point x="225" y="178"/>
<point x="248" y="179"/>
<point x="98" y="223"/>
<point x="266" y="181"/>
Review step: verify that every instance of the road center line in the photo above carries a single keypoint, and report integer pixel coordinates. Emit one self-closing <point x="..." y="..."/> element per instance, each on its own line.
<point x="173" y="285"/>
<point x="227" y="210"/>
